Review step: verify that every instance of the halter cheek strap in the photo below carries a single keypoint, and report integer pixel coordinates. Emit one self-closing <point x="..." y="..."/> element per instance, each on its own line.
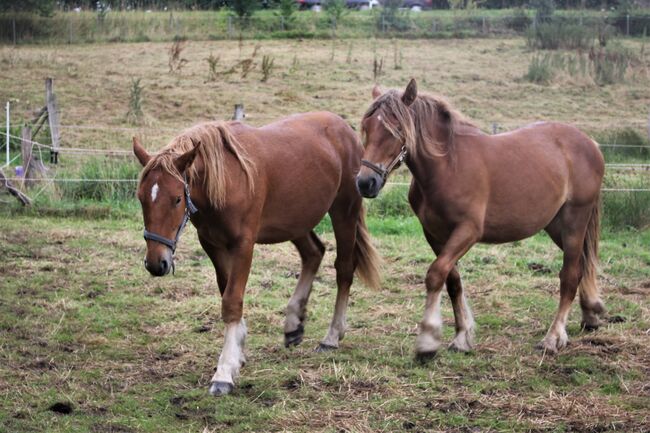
<point x="384" y="172"/>
<point x="190" y="209"/>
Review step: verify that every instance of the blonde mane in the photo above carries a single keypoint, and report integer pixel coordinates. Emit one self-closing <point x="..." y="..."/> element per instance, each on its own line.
<point x="216" y="138"/>
<point x="415" y="125"/>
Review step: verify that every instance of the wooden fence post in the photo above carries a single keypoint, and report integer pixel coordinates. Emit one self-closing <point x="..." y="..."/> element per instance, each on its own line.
<point x="13" y="190"/>
<point x="53" y="118"/>
<point x="33" y="167"/>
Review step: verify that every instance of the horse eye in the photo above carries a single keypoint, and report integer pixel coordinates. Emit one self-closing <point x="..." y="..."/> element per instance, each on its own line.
<point x="178" y="200"/>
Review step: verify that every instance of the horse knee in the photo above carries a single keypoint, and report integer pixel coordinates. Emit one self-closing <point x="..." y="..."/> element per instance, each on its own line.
<point x="436" y="275"/>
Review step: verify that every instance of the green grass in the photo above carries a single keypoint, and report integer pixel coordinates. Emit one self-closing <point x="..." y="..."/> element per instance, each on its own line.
<point x="81" y="322"/>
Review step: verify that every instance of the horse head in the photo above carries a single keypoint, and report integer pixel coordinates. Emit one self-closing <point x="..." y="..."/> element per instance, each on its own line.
<point x="385" y="141"/>
<point x="163" y="192"/>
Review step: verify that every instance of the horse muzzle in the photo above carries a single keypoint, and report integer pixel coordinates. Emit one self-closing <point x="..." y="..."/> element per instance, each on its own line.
<point x="161" y="266"/>
<point x="370" y="184"/>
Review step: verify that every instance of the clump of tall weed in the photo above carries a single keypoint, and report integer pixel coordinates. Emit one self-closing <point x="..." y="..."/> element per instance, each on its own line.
<point x="556" y="34"/>
<point x="134" y="115"/>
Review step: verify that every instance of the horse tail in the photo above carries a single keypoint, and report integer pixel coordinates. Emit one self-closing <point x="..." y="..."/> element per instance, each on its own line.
<point x="366" y="255"/>
<point x="588" y="288"/>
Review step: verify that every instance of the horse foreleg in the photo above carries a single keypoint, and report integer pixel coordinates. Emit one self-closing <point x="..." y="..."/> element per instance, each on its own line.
<point x="429" y="337"/>
<point x="232" y="355"/>
<point x="311" y="251"/>
<point x="464" y="339"/>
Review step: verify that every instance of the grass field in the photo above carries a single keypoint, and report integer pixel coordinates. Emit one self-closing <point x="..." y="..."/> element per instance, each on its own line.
<point x="482" y="77"/>
<point x="82" y="324"/>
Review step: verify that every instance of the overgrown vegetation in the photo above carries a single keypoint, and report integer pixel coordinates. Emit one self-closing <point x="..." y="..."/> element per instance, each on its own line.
<point x="116" y="26"/>
<point x="135" y="114"/>
<point x="602" y="66"/>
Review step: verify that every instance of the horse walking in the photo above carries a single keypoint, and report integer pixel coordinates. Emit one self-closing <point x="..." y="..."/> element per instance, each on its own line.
<point x="241" y="185"/>
<point x="470" y="187"/>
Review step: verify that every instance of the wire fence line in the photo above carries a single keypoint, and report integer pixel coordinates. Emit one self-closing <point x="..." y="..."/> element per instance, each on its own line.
<point x="70" y="180"/>
<point x="79" y="150"/>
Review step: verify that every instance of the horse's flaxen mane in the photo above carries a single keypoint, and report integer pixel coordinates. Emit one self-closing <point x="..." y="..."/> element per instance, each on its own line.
<point x="416" y="124"/>
<point x="216" y="138"/>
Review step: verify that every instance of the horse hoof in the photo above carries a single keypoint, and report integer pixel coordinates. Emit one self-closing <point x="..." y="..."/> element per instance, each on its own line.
<point x="294" y="338"/>
<point x="424" y="357"/>
<point x="322" y="347"/>
<point x="221" y="388"/>
<point x="547" y="347"/>
<point x="589" y="326"/>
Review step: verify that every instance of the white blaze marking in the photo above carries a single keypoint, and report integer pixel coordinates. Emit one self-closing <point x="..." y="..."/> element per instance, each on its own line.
<point x="154" y="192"/>
<point x="379" y="117"/>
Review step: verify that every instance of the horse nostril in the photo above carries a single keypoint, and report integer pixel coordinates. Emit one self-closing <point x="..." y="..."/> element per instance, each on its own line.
<point x="372" y="182"/>
<point x="164" y="266"/>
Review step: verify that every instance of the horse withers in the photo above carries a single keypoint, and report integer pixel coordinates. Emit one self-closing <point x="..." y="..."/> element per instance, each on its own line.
<point x="241" y="185"/>
<point x="471" y="187"/>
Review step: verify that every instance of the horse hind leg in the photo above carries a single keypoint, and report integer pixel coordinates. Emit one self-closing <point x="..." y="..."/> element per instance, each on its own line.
<point x="311" y="251"/>
<point x="464" y="339"/>
<point x="590" y="302"/>
<point x="571" y="226"/>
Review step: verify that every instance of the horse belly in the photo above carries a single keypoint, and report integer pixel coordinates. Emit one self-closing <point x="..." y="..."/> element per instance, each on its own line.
<point x="291" y="212"/>
<point x="520" y="219"/>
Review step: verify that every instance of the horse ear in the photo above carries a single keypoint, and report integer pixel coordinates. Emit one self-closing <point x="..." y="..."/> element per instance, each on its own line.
<point x="410" y="93"/>
<point x="376" y="92"/>
<point x="184" y="161"/>
<point x="140" y="152"/>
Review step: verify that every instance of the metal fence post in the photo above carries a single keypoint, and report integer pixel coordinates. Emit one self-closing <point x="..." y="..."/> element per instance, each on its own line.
<point x="282" y="23"/>
<point x="627" y="24"/>
<point x="239" y="112"/>
<point x="433" y="25"/>
<point x="7" y="133"/>
<point x="230" y="26"/>
<point x="13" y="26"/>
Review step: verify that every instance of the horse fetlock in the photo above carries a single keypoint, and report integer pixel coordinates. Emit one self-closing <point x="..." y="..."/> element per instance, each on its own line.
<point x="464" y="341"/>
<point x="426" y="343"/>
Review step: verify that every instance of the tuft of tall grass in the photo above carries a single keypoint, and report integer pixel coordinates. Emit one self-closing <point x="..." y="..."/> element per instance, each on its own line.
<point x="391" y="202"/>
<point x="101" y="185"/>
<point x="540" y="69"/>
<point x="557" y="34"/>
<point x="627" y="209"/>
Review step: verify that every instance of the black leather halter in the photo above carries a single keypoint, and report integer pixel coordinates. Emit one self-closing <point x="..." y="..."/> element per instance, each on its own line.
<point x="384" y="172"/>
<point x="190" y="209"/>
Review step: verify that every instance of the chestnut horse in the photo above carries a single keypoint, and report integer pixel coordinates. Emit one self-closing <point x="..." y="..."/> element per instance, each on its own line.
<point x="241" y="185"/>
<point x="471" y="187"/>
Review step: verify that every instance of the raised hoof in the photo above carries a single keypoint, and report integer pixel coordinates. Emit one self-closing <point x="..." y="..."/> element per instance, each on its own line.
<point x="294" y="338"/>
<point x="424" y="357"/>
<point x="221" y="388"/>
<point x="322" y="347"/>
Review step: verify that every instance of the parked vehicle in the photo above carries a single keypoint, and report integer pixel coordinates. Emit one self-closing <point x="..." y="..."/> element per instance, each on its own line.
<point x="352" y="4"/>
<point x="417" y="5"/>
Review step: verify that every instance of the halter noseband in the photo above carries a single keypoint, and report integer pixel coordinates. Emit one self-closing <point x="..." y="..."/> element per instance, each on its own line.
<point x="190" y="209"/>
<point x="384" y="172"/>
